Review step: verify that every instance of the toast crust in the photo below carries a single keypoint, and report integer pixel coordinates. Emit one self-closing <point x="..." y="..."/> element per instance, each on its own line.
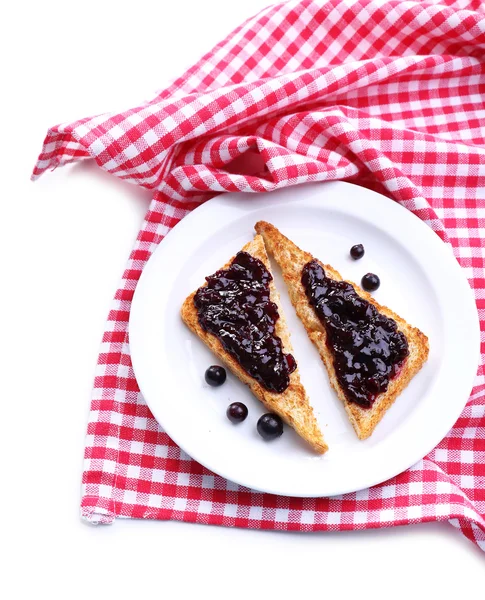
<point x="292" y="405"/>
<point x="292" y="260"/>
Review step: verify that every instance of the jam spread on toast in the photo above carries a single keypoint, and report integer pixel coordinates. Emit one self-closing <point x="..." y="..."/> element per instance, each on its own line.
<point x="368" y="349"/>
<point x="235" y="306"/>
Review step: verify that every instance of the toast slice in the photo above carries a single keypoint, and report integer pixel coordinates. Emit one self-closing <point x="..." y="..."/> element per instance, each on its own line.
<point x="292" y="259"/>
<point x="292" y="404"/>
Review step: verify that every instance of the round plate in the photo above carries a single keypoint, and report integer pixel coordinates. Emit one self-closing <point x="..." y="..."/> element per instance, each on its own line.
<point x="420" y="280"/>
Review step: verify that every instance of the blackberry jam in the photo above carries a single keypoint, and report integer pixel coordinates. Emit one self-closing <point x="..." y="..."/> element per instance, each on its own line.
<point x="235" y="306"/>
<point x="367" y="348"/>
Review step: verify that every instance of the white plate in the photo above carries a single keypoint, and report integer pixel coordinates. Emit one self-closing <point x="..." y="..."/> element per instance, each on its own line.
<point x="420" y="280"/>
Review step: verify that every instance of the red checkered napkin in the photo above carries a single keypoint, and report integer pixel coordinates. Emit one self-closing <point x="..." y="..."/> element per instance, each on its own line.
<point x="387" y="94"/>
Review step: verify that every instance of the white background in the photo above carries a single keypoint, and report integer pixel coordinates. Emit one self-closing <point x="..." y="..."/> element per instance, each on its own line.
<point x="64" y="242"/>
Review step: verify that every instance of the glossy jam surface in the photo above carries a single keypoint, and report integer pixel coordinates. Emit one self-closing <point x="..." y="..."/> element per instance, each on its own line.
<point x="368" y="350"/>
<point x="235" y="306"/>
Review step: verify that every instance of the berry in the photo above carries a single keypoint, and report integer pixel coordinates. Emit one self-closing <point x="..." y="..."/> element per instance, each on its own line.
<point x="357" y="251"/>
<point x="237" y="412"/>
<point x="370" y="282"/>
<point x="270" y="426"/>
<point x="215" y="375"/>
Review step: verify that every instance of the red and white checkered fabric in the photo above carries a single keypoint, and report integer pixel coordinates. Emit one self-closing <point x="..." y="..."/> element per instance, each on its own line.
<point x="385" y="93"/>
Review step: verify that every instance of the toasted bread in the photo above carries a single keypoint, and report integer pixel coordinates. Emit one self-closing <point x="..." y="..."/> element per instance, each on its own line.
<point x="292" y="405"/>
<point x="292" y="259"/>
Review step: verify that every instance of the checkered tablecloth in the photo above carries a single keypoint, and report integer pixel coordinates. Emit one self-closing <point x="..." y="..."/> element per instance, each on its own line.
<point x="385" y="93"/>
